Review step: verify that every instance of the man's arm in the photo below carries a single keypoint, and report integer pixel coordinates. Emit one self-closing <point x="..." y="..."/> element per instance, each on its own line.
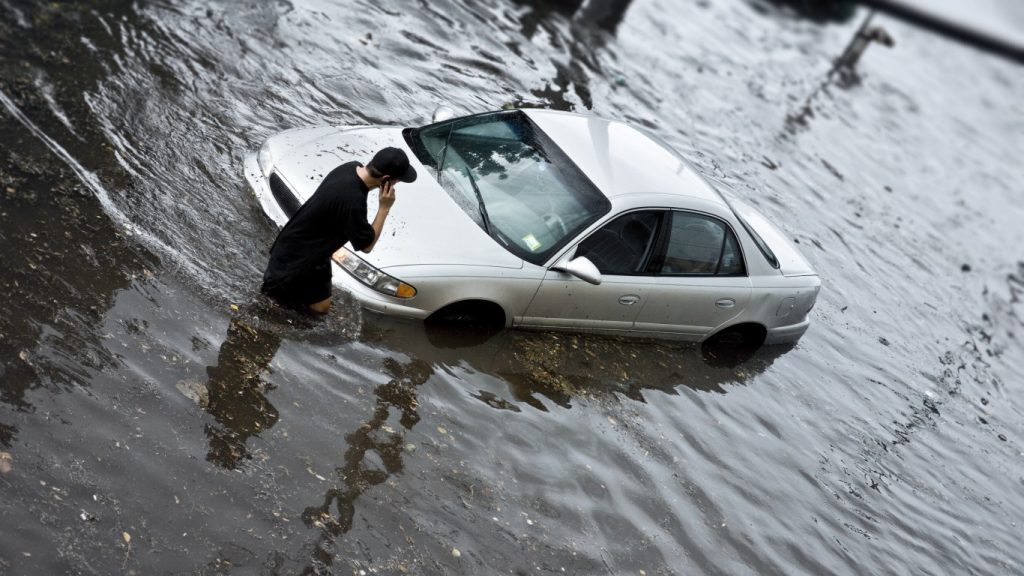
<point x="387" y="200"/>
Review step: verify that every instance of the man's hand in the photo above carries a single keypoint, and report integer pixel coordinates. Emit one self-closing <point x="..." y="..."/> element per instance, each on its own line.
<point x="337" y="256"/>
<point x="384" y="204"/>
<point x="387" y="195"/>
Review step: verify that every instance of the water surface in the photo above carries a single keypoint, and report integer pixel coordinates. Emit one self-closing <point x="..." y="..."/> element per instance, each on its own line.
<point x="146" y="390"/>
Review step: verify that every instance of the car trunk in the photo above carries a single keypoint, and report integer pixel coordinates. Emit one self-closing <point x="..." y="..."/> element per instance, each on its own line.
<point x="791" y="261"/>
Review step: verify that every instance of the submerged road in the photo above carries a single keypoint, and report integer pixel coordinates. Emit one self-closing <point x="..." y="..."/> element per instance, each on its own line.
<point x="157" y="416"/>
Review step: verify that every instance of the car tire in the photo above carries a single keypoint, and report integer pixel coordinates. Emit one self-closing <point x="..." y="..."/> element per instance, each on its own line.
<point x="734" y="345"/>
<point x="477" y="313"/>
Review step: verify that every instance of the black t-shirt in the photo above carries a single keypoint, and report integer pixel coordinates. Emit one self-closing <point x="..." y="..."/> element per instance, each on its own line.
<point x="334" y="215"/>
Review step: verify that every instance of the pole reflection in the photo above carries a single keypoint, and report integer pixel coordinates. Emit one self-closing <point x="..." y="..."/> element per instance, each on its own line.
<point x="333" y="516"/>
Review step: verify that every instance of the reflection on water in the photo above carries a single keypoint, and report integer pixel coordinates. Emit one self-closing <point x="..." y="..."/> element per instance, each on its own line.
<point x="843" y="73"/>
<point x="7" y="433"/>
<point x="823" y="11"/>
<point x="55" y="289"/>
<point x="236" y="393"/>
<point x="559" y="366"/>
<point x="584" y="27"/>
<point x="603" y="14"/>
<point x="540" y="371"/>
<point x="374" y="453"/>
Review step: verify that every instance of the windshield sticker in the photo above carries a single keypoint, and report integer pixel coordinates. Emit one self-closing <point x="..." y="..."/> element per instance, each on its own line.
<point x="531" y="242"/>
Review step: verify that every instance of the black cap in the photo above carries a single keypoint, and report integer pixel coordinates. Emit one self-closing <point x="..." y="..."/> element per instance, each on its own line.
<point x="393" y="162"/>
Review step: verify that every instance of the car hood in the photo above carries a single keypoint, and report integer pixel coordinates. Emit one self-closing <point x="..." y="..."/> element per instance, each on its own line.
<point x="425" y="226"/>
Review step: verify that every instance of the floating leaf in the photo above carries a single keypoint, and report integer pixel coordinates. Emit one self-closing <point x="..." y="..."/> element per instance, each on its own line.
<point x="127" y="537"/>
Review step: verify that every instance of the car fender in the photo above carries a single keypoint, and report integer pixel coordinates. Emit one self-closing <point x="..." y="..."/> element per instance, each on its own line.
<point x="438" y="286"/>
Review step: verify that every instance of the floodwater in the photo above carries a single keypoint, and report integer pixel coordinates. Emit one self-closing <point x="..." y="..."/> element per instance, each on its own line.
<point x="157" y="416"/>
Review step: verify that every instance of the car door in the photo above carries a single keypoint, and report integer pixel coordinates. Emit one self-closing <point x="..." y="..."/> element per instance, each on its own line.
<point x="621" y="250"/>
<point x="699" y="279"/>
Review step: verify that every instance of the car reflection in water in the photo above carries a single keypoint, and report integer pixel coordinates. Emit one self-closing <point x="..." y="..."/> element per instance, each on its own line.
<point x="538" y="367"/>
<point x="557" y="366"/>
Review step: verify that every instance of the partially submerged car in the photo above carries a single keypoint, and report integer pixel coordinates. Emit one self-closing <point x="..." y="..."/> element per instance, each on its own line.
<point x="552" y="220"/>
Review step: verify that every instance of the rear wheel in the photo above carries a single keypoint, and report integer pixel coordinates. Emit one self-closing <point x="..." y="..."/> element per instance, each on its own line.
<point x="752" y="335"/>
<point x="734" y="345"/>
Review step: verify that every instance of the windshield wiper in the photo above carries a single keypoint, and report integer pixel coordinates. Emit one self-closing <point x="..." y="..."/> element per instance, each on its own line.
<point x="480" y="202"/>
<point x="444" y="152"/>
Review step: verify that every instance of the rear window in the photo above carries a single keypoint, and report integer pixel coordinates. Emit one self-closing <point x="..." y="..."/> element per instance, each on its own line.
<point x="761" y="245"/>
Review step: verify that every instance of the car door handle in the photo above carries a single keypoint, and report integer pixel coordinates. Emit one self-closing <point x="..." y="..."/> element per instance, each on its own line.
<point x="629" y="299"/>
<point x="725" y="303"/>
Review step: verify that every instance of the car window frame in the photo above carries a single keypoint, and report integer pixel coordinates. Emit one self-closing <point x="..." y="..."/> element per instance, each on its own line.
<point x="652" y="252"/>
<point x="663" y="247"/>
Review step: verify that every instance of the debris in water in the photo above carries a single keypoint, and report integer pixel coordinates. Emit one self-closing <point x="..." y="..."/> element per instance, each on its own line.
<point x="195" y="391"/>
<point x="315" y="475"/>
<point x="456" y="553"/>
<point x="128" y="548"/>
<point x="5" y="462"/>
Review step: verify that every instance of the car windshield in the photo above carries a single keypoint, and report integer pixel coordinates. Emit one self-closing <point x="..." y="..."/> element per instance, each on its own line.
<point x="512" y="180"/>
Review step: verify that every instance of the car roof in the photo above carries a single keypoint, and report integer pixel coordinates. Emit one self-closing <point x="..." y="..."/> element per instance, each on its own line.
<point x="620" y="159"/>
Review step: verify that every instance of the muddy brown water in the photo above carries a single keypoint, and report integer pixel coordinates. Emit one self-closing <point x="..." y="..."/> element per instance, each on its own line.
<point x="157" y="417"/>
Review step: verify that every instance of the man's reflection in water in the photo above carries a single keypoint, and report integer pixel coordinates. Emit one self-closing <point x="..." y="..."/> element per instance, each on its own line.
<point x="236" y="393"/>
<point x="7" y="433"/>
<point x="356" y="475"/>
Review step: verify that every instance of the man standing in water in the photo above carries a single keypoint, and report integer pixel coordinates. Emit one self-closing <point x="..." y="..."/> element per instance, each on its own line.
<point x="298" y="275"/>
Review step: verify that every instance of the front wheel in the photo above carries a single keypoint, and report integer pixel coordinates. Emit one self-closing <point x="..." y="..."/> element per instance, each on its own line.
<point x="464" y="324"/>
<point x="470" y="313"/>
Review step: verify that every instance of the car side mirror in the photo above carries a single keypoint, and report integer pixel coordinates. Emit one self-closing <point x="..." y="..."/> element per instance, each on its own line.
<point x="581" y="268"/>
<point x="442" y="113"/>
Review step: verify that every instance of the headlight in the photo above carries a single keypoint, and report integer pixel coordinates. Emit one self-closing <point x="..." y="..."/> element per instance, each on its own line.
<point x="265" y="159"/>
<point x="371" y="276"/>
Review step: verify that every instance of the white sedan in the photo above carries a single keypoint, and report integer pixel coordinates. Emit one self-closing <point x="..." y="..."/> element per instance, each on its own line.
<point x="556" y="221"/>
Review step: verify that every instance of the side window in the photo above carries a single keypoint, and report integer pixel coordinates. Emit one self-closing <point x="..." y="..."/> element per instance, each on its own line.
<point x="700" y="245"/>
<point x="623" y="245"/>
<point x="732" y="257"/>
